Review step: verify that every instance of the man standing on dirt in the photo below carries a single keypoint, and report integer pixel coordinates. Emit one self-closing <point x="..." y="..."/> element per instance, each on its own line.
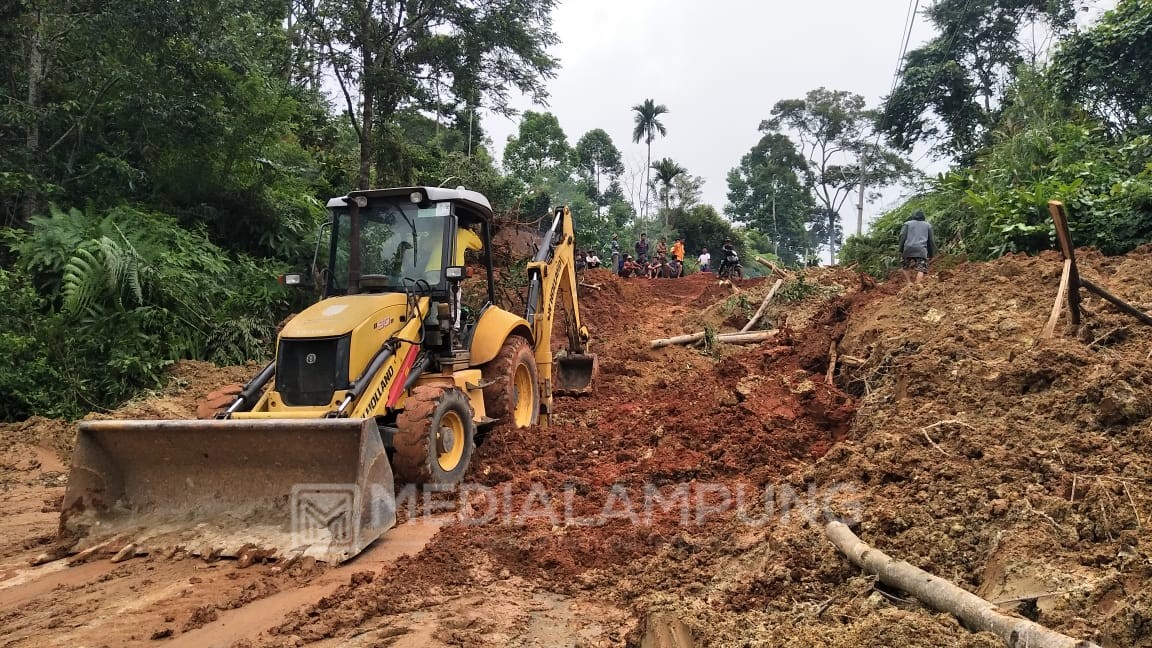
<point x="917" y="246"/>
<point x="642" y="249"/>
<point x="705" y="260"/>
<point x="678" y="253"/>
<point x="616" y="264"/>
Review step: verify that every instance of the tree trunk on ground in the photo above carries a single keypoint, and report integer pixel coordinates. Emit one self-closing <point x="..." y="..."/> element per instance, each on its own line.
<point x="763" y="306"/>
<point x="726" y="338"/>
<point x="974" y="612"/>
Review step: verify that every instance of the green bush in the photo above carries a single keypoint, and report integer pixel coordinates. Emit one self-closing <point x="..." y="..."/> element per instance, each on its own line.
<point x="104" y="302"/>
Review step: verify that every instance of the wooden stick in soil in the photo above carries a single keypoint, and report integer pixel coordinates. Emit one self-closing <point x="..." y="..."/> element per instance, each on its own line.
<point x="763" y="306"/>
<point x="974" y="612"/>
<point x="1061" y="295"/>
<point x="727" y="338"/>
<point x="1064" y="240"/>
<point x="831" y="362"/>
<point x="1120" y="304"/>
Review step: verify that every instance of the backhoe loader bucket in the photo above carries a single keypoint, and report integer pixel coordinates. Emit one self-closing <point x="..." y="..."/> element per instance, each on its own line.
<point x="574" y="373"/>
<point x="319" y="487"/>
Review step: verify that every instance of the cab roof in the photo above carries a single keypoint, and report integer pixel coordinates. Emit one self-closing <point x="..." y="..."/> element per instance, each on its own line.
<point x="471" y="199"/>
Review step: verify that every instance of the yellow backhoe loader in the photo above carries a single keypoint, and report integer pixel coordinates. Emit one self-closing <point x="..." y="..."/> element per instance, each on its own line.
<point x="386" y="374"/>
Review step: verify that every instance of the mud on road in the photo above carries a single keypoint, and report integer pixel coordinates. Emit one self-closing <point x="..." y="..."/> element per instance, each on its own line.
<point x="682" y="501"/>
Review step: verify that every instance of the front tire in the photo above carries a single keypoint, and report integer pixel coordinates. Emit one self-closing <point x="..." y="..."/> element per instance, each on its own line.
<point x="435" y="435"/>
<point x="513" y="392"/>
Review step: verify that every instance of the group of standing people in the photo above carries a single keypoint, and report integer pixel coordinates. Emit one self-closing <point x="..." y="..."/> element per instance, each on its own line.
<point x="654" y="262"/>
<point x="917" y="248"/>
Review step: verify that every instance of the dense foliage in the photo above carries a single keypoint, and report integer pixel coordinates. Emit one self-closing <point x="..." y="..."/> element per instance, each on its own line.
<point x="1076" y="130"/>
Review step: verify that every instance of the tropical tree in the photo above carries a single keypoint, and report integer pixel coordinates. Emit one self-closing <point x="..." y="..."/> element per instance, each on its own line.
<point x="435" y="56"/>
<point x="598" y="158"/>
<point x="539" y="148"/>
<point x="951" y="90"/>
<point x="1108" y="67"/>
<point x="835" y="135"/>
<point x="767" y="193"/>
<point x="648" y="124"/>
<point x="667" y="171"/>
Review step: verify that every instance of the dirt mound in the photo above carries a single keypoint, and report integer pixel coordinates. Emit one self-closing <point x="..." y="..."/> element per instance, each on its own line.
<point x="187" y="383"/>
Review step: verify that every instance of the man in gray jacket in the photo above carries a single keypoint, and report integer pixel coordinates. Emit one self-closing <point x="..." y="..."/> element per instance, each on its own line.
<point x="917" y="245"/>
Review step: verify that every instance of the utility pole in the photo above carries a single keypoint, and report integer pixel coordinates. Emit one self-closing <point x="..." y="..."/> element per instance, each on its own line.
<point x="860" y="201"/>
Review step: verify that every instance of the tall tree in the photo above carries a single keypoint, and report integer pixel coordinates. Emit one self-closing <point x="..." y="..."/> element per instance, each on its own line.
<point x="667" y="171"/>
<point x="432" y="55"/>
<point x="767" y="191"/>
<point x="648" y="124"/>
<point x="834" y="131"/>
<point x="132" y="106"/>
<point x="539" y="148"/>
<point x="596" y="158"/>
<point x="950" y="90"/>
<point x="1108" y="67"/>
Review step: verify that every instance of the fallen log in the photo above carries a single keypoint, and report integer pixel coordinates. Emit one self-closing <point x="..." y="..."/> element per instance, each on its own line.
<point x="763" y="306"/>
<point x="726" y="338"/>
<point x="775" y="268"/>
<point x="1120" y="304"/>
<point x="974" y="612"/>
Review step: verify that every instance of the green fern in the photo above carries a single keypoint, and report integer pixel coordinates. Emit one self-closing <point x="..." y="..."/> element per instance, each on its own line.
<point x="83" y="281"/>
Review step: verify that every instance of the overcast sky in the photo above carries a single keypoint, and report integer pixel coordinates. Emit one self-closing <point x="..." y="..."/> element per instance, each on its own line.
<point x="719" y="67"/>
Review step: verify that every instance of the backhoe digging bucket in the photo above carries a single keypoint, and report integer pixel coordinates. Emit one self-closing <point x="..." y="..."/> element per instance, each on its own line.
<point x="322" y="488"/>
<point x="574" y="374"/>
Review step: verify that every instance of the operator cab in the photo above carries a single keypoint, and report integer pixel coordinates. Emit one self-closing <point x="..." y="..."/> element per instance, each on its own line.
<point x="409" y="240"/>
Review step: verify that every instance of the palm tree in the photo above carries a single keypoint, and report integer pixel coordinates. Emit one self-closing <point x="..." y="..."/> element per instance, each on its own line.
<point x="666" y="173"/>
<point x="647" y="125"/>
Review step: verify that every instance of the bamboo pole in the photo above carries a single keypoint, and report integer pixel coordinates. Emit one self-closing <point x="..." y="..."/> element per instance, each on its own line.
<point x="763" y="306"/>
<point x="1061" y="295"/>
<point x="974" y="612"/>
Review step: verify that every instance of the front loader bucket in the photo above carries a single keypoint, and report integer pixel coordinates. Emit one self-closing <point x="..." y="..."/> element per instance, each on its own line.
<point x="319" y="487"/>
<point x="574" y="374"/>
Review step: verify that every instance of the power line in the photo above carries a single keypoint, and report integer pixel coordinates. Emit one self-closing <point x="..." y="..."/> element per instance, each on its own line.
<point x="906" y="40"/>
<point x="909" y="21"/>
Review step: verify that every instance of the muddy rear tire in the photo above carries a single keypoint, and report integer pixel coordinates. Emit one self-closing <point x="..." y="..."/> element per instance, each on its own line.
<point x="435" y="436"/>
<point x="514" y="393"/>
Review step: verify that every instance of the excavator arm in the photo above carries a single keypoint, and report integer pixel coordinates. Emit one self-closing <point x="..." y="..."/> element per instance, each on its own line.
<point x="552" y="278"/>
